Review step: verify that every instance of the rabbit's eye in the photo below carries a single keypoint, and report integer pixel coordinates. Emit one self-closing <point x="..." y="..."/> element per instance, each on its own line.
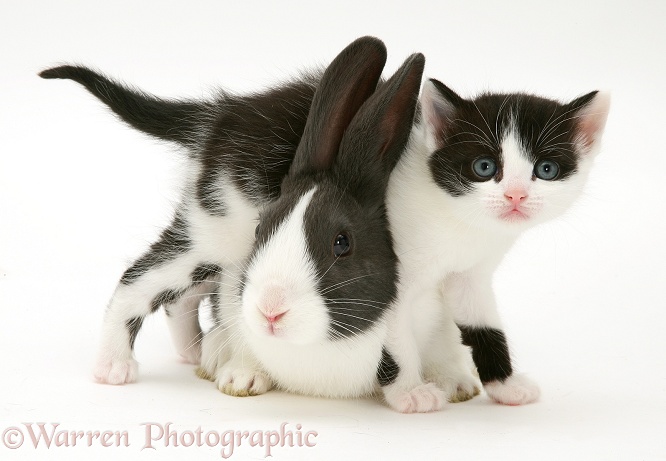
<point x="341" y="245"/>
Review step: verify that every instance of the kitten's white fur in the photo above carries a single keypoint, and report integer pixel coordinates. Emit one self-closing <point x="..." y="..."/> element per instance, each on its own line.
<point x="517" y="389"/>
<point x="451" y="246"/>
<point x="226" y="240"/>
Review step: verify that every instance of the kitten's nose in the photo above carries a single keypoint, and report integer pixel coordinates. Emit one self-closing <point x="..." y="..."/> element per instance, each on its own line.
<point x="515" y="196"/>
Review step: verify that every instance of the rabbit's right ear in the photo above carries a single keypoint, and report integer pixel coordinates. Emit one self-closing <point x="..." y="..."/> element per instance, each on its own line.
<point x="346" y="84"/>
<point x="377" y="137"/>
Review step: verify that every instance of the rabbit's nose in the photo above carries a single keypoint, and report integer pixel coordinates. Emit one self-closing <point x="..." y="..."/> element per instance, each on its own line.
<point x="273" y="318"/>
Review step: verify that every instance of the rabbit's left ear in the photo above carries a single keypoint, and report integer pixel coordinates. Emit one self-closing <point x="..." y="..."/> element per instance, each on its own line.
<point x="346" y="84"/>
<point x="378" y="134"/>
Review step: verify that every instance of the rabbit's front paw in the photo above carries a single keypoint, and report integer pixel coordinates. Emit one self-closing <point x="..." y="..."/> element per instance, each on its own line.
<point x="242" y="382"/>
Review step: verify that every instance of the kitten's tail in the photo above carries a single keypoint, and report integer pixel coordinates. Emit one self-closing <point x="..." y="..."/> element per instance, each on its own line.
<point x="170" y="120"/>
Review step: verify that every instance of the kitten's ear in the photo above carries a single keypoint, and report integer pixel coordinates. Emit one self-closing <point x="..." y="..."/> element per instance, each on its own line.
<point x="591" y="112"/>
<point x="439" y="104"/>
<point x="347" y="83"/>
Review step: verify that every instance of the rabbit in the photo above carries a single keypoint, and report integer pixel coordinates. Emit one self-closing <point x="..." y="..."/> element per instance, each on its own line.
<point x="314" y="310"/>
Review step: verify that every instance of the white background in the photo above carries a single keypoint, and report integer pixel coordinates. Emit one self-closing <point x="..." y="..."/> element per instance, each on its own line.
<point x="81" y="195"/>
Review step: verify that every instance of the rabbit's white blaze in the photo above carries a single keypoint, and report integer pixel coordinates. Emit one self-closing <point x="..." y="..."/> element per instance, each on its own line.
<point x="280" y="298"/>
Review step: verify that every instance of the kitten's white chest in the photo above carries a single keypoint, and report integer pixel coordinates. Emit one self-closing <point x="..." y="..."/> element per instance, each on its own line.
<point x="226" y="238"/>
<point x="429" y="239"/>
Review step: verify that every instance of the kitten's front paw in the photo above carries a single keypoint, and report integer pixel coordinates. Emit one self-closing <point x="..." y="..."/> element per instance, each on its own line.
<point x="421" y="399"/>
<point x="116" y="371"/>
<point x="242" y="382"/>
<point x="458" y="385"/>
<point x="462" y="392"/>
<point x="515" y="390"/>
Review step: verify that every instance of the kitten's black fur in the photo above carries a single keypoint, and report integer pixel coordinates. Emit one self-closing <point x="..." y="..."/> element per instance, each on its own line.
<point x="476" y="128"/>
<point x="250" y="138"/>
<point x="253" y="135"/>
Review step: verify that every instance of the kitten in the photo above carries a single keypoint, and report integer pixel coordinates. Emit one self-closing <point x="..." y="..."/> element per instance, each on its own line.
<point x="477" y="174"/>
<point x="239" y="148"/>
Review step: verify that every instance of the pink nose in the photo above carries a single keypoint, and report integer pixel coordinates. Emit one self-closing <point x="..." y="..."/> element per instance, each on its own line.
<point x="272" y="318"/>
<point x="516" y="196"/>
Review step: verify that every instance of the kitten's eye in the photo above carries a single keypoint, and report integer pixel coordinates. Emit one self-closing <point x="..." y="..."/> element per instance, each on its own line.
<point x="341" y="245"/>
<point x="485" y="167"/>
<point x="546" y="170"/>
<point x="256" y="231"/>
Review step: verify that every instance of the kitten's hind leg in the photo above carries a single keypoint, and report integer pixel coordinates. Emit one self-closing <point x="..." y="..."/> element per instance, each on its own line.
<point x="213" y="353"/>
<point x="115" y="363"/>
<point x="160" y="277"/>
<point x="183" y="315"/>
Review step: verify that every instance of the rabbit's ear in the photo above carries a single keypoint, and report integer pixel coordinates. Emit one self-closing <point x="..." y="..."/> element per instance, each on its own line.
<point x="378" y="135"/>
<point x="346" y="84"/>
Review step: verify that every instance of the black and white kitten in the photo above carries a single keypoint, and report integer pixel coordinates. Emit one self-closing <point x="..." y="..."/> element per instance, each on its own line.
<point x="240" y="148"/>
<point x="477" y="174"/>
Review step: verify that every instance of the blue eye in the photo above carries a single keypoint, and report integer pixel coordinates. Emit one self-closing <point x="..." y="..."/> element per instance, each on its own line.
<point x="485" y="167"/>
<point x="546" y="170"/>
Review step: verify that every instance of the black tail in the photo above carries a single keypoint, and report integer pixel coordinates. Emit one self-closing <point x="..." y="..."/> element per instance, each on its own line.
<point x="173" y="120"/>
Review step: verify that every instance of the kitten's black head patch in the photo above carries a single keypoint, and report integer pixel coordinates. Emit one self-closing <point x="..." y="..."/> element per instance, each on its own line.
<point x="471" y="130"/>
